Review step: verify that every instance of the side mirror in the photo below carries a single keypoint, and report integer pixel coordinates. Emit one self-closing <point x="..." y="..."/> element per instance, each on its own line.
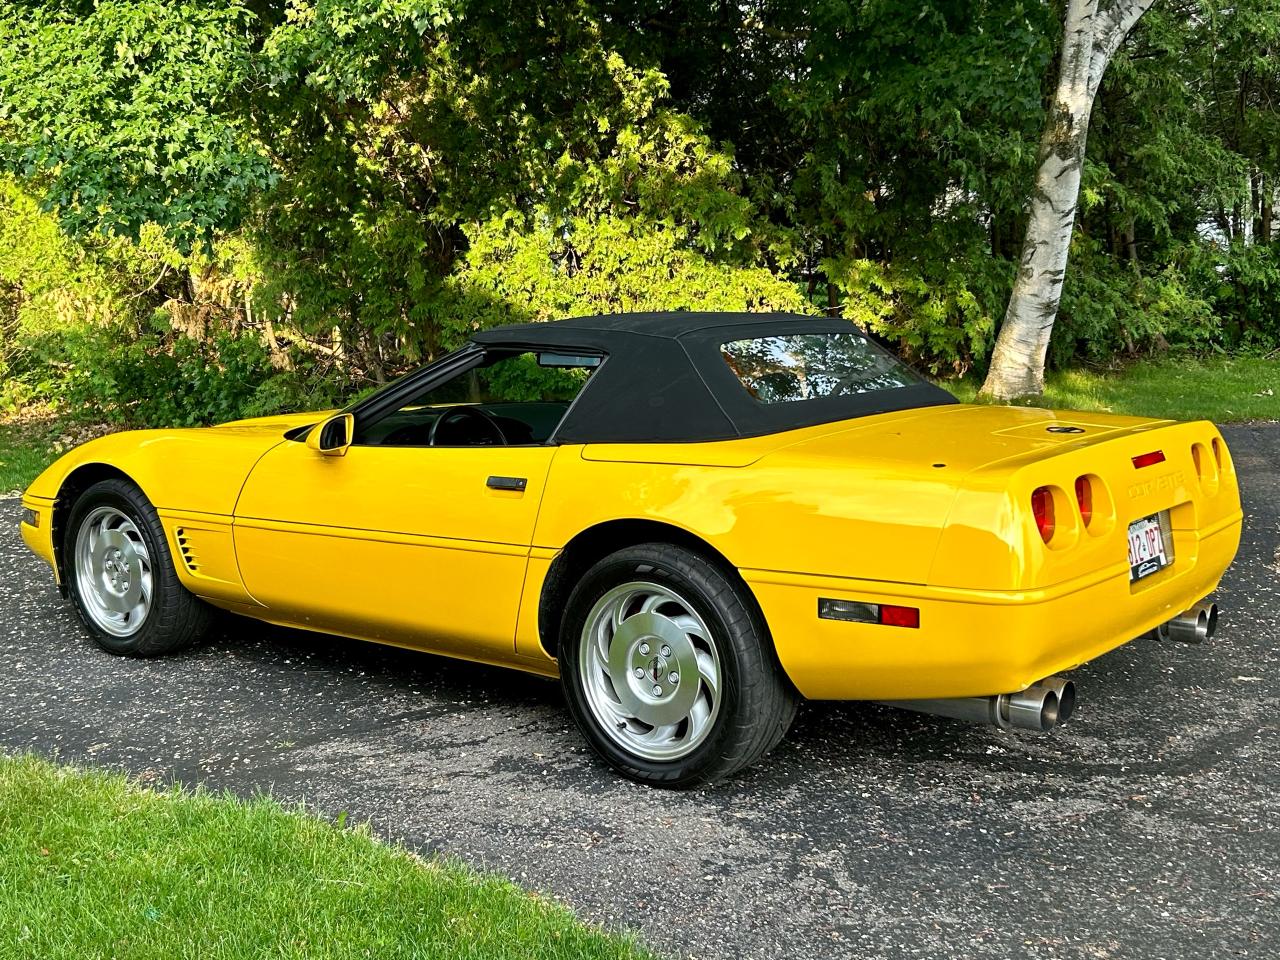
<point x="332" y="437"/>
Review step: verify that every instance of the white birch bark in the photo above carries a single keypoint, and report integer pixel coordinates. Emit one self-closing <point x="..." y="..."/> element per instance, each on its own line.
<point x="1091" y="36"/>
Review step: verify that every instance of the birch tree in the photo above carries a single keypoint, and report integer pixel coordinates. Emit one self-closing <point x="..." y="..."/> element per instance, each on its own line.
<point x="1093" y="32"/>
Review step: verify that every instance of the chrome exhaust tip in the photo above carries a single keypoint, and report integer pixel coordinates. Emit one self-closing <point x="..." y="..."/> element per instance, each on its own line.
<point x="1195" y="625"/>
<point x="1035" y="708"/>
<point x="1066" y="691"/>
<point x="1040" y="707"/>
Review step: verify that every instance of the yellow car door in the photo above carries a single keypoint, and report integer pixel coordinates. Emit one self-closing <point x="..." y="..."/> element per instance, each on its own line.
<point x="419" y="546"/>
<point x="417" y="531"/>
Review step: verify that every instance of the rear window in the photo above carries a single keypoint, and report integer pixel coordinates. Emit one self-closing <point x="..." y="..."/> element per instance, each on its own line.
<point x="808" y="366"/>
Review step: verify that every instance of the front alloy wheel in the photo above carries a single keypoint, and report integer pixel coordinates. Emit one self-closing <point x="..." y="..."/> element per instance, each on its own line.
<point x="113" y="571"/>
<point x="120" y="574"/>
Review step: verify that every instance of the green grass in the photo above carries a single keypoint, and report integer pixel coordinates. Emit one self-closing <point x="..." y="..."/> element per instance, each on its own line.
<point x="23" y="454"/>
<point x="92" y="866"/>
<point x="1219" y="389"/>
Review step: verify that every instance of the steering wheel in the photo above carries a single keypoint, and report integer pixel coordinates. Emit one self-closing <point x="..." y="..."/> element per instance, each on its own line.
<point x="475" y="415"/>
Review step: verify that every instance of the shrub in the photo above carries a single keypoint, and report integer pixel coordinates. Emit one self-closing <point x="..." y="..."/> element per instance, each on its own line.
<point x="166" y="379"/>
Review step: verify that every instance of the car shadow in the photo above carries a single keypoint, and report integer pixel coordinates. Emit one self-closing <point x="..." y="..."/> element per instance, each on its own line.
<point x="398" y="668"/>
<point x="829" y="741"/>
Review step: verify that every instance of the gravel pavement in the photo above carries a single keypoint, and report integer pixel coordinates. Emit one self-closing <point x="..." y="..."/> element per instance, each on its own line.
<point x="1148" y="827"/>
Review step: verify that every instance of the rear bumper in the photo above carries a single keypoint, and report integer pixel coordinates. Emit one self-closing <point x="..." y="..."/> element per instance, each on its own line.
<point x="974" y="643"/>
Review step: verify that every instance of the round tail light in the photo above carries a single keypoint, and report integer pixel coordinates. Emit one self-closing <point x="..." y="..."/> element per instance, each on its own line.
<point x="1042" y="508"/>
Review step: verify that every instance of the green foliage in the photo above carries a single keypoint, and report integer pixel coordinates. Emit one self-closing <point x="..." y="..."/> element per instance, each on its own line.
<point x="355" y="185"/>
<point x="1243" y="287"/>
<point x="942" y="317"/>
<point x="604" y="266"/>
<point x="1109" y="308"/>
<point x="398" y="154"/>
<point x="122" y="113"/>
<point x="163" y="379"/>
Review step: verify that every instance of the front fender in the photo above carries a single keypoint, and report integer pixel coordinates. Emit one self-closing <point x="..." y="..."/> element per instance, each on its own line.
<point x="191" y="476"/>
<point x="199" y="470"/>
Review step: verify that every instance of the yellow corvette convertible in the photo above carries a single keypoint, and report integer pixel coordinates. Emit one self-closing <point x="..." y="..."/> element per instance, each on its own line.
<point x="694" y="520"/>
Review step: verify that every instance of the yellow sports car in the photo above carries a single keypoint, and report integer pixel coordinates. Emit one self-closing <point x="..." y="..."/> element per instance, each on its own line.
<point x="694" y="520"/>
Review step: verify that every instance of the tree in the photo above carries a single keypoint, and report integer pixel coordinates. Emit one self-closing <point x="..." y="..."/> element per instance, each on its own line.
<point x="123" y="114"/>
<point x="1090" y="39"/>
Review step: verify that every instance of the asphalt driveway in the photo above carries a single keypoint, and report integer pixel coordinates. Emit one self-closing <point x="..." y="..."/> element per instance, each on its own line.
<point x="1147" y="827"/>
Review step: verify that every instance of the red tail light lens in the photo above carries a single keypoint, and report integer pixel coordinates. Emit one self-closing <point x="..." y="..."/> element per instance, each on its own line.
<point x="1148" y="459"/>
<point x="1084" y="498"/>
<point x="892" y="616"/>
<point x="1042" y="507"/>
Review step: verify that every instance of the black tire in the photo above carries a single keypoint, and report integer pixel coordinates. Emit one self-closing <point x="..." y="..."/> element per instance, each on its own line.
<point x="756" y="700"/>
<point x="175" y="618"/>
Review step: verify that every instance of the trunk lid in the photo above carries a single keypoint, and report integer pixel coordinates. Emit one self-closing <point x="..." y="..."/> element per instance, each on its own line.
<point x="943" y="496"/>
<point x="962" y="438"/>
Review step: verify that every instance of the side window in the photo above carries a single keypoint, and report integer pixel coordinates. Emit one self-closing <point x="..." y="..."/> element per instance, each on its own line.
<point x="508" y="399"/>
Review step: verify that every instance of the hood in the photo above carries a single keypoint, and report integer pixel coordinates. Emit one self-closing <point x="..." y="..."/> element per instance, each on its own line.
<point x="278" y="424"/>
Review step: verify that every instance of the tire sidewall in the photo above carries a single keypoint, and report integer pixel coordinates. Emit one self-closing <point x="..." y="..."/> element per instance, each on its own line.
<point x="128" y="500"/>
<point x="634" y="564"/>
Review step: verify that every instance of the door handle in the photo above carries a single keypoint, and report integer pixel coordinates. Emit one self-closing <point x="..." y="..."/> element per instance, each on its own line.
<point x="507" y="483"/>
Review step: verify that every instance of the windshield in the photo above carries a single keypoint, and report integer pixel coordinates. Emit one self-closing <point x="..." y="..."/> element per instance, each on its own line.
<point x="808" y="366"/>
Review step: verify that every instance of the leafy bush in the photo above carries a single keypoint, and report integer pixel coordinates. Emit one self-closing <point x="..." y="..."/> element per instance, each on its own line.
<point x="165" y="379"/>
<point x="1242" y="284"/>
<point x="942" y="315"/>
<point x="1111" y="308"/>
<point x="605" y="265"/>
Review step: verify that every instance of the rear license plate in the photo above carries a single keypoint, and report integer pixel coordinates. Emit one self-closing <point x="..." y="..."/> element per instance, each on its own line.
<point x="1150" y="545"/>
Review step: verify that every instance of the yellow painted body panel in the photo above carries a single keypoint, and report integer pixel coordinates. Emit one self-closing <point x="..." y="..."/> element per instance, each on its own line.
<point x="39" y="538"/>
<point x="927" y="508"/>
<point x="203" y="548"/>
<point x="394" y="543"/>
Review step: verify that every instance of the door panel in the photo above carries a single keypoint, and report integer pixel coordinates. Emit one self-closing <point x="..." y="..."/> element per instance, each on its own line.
<point x="409" y="545"/>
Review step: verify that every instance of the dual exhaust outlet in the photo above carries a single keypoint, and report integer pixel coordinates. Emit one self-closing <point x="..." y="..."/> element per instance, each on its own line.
<point x="1196" y="625"/>
<point x="1040" y="707"/>
<point x="1049" y="702"/>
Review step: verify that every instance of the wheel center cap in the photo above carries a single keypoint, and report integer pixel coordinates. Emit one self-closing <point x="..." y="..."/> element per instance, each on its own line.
<point x="657" y="669"/>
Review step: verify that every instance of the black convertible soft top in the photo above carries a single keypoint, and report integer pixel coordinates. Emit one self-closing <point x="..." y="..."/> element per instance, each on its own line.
<point x="664" y="377"/>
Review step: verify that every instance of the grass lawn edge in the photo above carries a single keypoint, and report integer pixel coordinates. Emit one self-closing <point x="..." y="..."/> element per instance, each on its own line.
<point x="94" y="864"/>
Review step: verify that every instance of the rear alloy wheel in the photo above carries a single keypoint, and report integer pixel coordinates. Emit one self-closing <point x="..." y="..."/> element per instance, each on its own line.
<point x="120" y="574"/>
<point x="668" y="668"/>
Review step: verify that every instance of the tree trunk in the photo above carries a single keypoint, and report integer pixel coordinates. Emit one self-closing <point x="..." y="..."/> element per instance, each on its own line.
<point x="1090" y="38"/>
<point x="1255" y="205"/>
<point x="1224" y="223"/>
<point x="1264" y="221"/>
